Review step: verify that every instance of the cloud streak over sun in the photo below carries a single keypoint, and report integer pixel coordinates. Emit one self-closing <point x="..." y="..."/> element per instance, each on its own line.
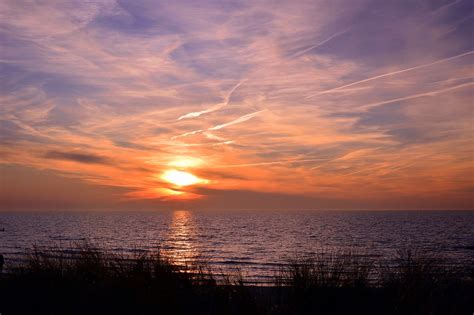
<point x="351" y="105"/>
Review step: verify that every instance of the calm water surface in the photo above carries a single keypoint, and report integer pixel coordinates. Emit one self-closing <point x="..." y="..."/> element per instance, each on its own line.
<point x="256" y="242"/>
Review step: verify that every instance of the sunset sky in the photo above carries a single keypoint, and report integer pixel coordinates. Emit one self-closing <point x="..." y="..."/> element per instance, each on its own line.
<point x="341" y="104"/>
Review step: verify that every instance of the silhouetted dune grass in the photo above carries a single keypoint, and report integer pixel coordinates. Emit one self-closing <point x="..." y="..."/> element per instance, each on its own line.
<point x="88" y="280"/>
<point x="344" y="282"/>
<point x="332" y="269"/>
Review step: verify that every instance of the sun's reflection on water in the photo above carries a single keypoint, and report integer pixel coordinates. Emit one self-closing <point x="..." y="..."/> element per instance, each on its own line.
<point x="180" y="243"/>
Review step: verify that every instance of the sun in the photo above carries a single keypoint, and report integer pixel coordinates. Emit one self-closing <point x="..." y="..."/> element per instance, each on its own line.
<point x="181" y="178"/>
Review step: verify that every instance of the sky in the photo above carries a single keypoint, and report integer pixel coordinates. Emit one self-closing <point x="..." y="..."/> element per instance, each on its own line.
<point x="322" y="105"/>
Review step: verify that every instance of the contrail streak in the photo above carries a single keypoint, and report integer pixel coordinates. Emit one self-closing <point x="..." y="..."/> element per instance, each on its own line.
<point x="392" y="73"/>
<point x="233" y="122"/>
<point x="417" y="95"/>
<point x="443" y="7"/>
<point x="345" y="157"/>
<point x="213" y="108"/>
<point x="205" y="144"/>
<point x="301" y="52"/>
<point x="238" y="120"/>
<point x="187" y="134"/>
<point x="268" y="163"/>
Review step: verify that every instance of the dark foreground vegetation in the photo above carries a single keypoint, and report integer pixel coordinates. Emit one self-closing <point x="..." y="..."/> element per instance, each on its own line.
<point x="87" y="280"/>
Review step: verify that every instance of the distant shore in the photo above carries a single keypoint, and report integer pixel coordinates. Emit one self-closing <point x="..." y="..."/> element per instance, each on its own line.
<point x="88" y="280"/>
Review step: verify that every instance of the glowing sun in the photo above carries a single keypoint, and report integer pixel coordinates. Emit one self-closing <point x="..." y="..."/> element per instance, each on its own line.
<point x="180" y="178"/>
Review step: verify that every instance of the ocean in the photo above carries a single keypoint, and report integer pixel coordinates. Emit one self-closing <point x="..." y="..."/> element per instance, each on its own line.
<point x="258" y="243"/>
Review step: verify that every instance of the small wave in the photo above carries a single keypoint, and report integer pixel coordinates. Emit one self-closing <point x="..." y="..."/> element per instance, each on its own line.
<point x="65" y="238"/>
<point x="468" y="247"/>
